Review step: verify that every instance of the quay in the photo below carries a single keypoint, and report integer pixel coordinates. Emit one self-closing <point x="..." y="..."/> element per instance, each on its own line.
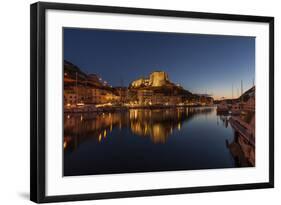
<point x="92" y="108"/>
<point x="243" y="129"/>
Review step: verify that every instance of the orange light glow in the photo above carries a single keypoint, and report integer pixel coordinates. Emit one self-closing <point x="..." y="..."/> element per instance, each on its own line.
<point x="64" y="144"/>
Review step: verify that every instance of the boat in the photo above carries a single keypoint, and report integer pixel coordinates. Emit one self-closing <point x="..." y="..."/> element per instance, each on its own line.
<point x="222" y="108"/>
<point x="235" y="109"/>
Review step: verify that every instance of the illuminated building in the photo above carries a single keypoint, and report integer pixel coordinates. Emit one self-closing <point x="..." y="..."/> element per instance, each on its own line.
<point x="100" y="96"/>
<point x="77" y="95"/>
<point x="70" y="97"/>
<point x="144" y="96"/>
<point x="158" y="78"/>
<point x="122" y="92"/>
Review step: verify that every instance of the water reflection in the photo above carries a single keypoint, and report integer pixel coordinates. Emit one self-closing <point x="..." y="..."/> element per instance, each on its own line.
<point x="141" y="140"/>
<point x="157" y="125"/>
<point x="223" y="119"/>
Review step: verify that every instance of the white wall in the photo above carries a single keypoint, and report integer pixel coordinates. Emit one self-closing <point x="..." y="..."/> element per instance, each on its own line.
<point x="14" y="100"/>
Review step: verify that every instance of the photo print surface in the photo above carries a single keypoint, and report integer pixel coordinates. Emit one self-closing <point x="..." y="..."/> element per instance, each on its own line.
<point x="137" y="101"/>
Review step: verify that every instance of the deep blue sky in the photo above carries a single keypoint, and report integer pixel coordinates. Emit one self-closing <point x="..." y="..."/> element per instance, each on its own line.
<point x="200" y="63"/>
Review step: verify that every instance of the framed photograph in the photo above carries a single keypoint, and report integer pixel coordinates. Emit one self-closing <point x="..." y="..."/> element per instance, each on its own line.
<point x="129" y="102"/>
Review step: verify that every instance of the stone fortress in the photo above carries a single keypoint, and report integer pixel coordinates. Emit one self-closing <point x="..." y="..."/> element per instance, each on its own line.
<point x="156" y="79"/>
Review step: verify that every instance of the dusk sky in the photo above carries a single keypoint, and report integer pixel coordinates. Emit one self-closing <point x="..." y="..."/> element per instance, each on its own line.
<point x="199" y="63"/>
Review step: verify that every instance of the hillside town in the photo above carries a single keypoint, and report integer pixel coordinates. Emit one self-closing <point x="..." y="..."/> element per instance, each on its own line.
<point x="90" y="93"/>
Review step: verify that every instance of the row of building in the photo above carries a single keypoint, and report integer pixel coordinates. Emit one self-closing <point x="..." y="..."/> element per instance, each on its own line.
<point x="87" y="95"/>
<point x="155" y="90"/>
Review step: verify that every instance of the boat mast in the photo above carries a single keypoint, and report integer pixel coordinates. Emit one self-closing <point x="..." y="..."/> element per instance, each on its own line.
<point x="76" y="88"/>
<point x="242" y="90"/>
<point x="232" y="94"/>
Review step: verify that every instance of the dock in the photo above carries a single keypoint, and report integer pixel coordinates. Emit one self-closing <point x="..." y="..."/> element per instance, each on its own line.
<point x="243" y="131"/>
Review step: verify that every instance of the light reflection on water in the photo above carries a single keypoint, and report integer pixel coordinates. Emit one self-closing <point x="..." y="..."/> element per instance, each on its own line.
<point x="142" y="140"/>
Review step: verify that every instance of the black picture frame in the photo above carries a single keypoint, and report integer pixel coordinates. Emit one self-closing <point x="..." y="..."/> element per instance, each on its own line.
<point x="38" y="101"/>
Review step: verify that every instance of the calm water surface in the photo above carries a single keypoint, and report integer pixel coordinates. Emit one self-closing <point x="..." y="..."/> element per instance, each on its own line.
<point x="143" y="140"/>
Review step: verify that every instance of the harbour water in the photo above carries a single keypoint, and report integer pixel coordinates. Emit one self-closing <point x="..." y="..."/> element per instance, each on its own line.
<point x="146" y="140"/>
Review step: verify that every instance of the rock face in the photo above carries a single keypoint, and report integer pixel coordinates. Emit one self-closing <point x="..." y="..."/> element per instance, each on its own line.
<point x="156" y="79"/>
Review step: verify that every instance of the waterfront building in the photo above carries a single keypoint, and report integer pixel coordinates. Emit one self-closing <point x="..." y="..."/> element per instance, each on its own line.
<point x="101" y="96"/>
<point x="158" y="99"/>
<point x="174" y="100"/>
<point x="70" y="97"/>
<point x="98" y="96"/>
<point x="122" y="92"/>
<point x="132" y="96"/>
<point x="77" y="95"/>
<point x="144" y="96"/>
